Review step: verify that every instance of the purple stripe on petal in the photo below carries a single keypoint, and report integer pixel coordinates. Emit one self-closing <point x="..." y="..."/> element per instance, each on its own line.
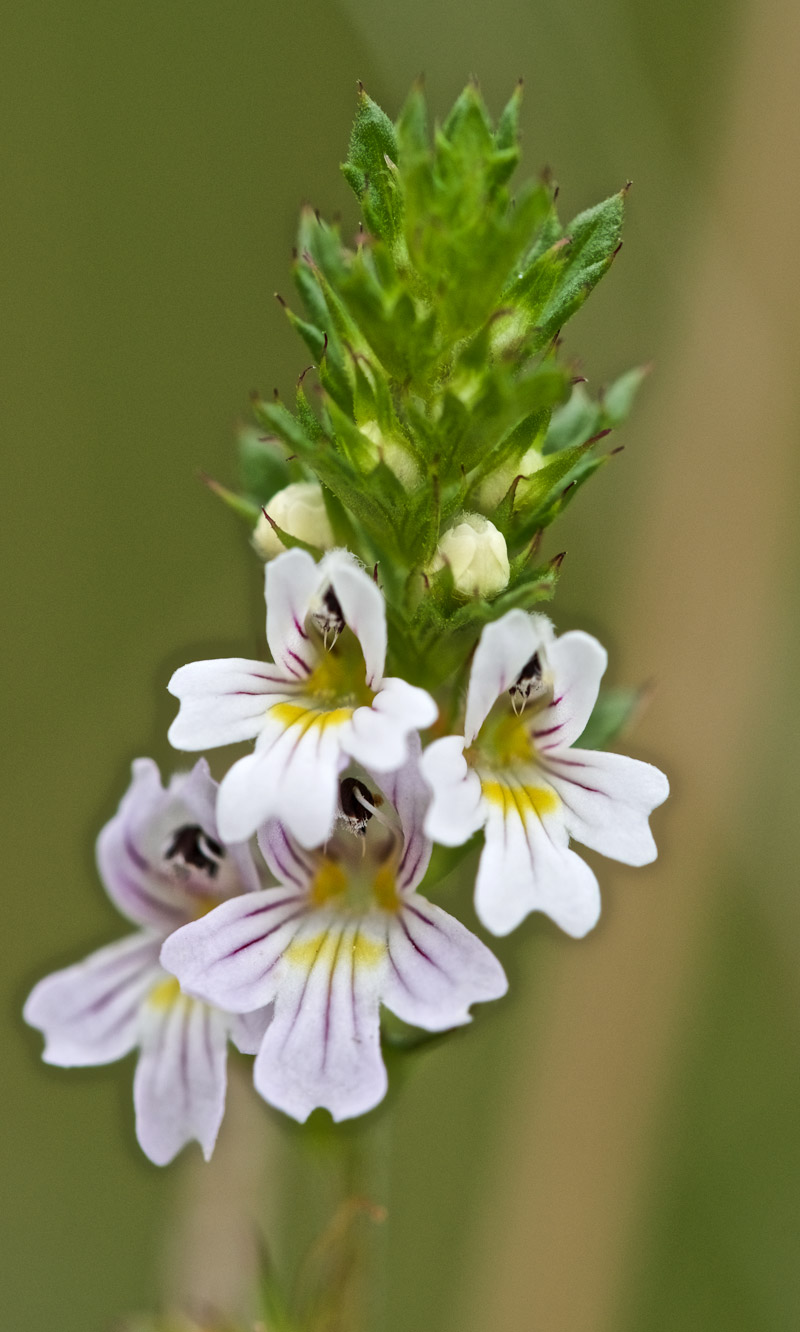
<point x="251" y="943"/>
<point x="301" y="1000"/>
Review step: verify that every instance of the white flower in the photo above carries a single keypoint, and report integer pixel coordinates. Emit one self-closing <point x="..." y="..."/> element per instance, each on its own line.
<point x="514" y="774"/>
<point x="476" y="552"/>
<point x="162" y="864"/>
<point x="345" y="933"/>
<point x="323" y="700"/>
<point x="299" y="510"/>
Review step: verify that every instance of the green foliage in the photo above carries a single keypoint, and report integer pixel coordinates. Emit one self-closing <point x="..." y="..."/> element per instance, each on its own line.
<point x="438" y="384"/>
<point x="612" y="713"/>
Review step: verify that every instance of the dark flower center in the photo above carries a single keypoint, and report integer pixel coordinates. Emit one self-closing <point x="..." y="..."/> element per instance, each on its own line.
<point x="192" y="846"/>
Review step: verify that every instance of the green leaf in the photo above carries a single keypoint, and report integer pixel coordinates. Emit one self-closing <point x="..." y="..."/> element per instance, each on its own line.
<point x="370" y="176"/>
<point x="617" y="401"/>
<point x="244" y="508"/>
<point x="614" y="710"/>
<point x="594" y="239"/>
<point x="263" y="469"/>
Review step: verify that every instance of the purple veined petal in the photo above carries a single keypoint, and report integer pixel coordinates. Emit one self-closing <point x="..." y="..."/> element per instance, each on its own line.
<point x="293" y="775"/>
<point x="607" y="800"/>
<point x="408" y="793"/>
<point x="286" y="860"/>
<point x="526" y="864"/>
<point x="504" y="648"/>
<point x="180" y="1080"/>
<point x="322" y="1047"/>
<point x="232" y="957"/>
<point x="437" y="968"/>
<point x="578" y="663"/>
<point x="290" y="583"/>
<point x="246" y="1030"/>
<point x="89" y="1012"/>
<point x="134" y="846"/>
<point x="199" y="792"/>
<point x="362" y="605"/>
<point x="129" y="850"/>
<point x="224" y="701"/>
<point x="456" y="810"/>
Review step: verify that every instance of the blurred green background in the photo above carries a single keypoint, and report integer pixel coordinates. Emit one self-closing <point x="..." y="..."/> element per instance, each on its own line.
<point x="616" y="1147"/>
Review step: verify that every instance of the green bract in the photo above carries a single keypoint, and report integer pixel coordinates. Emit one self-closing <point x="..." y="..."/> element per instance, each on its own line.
<point x="438" y="387"/>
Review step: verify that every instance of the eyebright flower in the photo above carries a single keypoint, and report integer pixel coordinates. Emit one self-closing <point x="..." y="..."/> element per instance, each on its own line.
<point x="323" y="701"/>
<point x="515" y="774"/>
<point x="162" y="863"/>
<point x="344" y="933"/>
<point x="476" y="552"/>
<point x="299" y="509"/>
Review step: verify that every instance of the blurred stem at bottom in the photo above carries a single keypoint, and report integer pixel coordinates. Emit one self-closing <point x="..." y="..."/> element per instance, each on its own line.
<point x="327" y="1259"/>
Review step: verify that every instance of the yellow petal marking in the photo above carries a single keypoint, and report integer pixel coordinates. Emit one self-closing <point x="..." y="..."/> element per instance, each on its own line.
<point x="305" y="952"/>
<point x="521" y="799"/>
<point x="329" y="882"/>
<point x="384" y="888"/>
<point x="506" y="739"/>
<point x="292" y="714"/>
<point x="165" y="993"/>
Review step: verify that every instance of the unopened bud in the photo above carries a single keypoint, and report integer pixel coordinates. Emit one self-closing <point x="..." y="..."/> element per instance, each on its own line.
<point x="476" y="553"/>
<point x="299" y="510"/>
<point x="394" y="452"/>
<point x="496" y="484"/>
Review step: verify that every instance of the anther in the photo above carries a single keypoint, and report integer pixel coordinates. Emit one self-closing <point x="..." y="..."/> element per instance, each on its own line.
<point x="358" y="805"/>
<point x="529" y="685"/>
<point x="191" y="846"/>
<point x="329" y="618"/>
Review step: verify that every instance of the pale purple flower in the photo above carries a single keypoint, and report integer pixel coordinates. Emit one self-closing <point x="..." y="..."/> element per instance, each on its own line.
<point x="163" y="864"/>
<point x="344" y="933"/>
<point x="322" y="701"/>
<point x="515" y="774"/>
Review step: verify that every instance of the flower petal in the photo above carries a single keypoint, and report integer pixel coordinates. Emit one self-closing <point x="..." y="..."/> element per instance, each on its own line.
<point x="526" y="866"/>
<point x="199" y="793"/>
<point x="179" y="1085"/>
<point x="406" y="790"/>
<point x="89" y="1012"/>
<point x="362" y="605"/>
<point x="456" y="810"/>
<point x="288" y="862"/>
<point x="290" y="583"/>
<point x="504" y="648"/>
<point x="224" y="701"/>
<point x="292" y="775"/>
<point x="323" y="1045"/>
<point x="129" y="853"/>
<point x="134" y="846"/>
<point x="247" y="1029"/>
<point x="577" y="662"/>
<point x="607" y="800"/>
<point x="437" y="968"/>
<point x="230" y="957"/>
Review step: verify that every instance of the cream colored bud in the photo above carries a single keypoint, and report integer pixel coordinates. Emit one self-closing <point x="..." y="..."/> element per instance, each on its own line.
<point x="300" y="510"/>
<point x="476" y="553"/>
<point x="394" y="452"/>
<point x="497" y="483"/>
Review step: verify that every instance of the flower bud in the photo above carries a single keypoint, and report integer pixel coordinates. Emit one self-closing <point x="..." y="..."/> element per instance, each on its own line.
<point x="394" y="452"/>
<point x="496" y="484"/>
<point x="300" y="510"/>
<point x="476" y="553"/>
